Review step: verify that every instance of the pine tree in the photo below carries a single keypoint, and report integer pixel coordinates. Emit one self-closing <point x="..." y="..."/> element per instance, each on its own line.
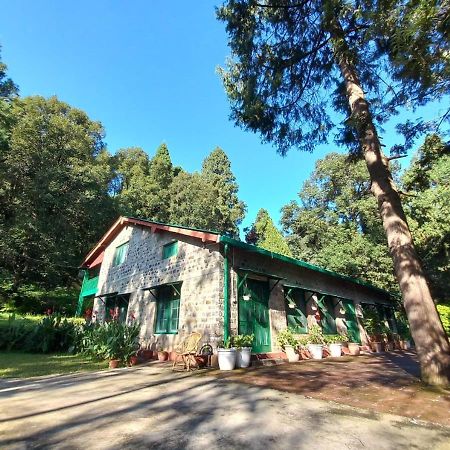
<point x="227" y="211"/>
<point x="265" y="234"/>
<point x="161" y="175"/>
<point x="293" y="61"/>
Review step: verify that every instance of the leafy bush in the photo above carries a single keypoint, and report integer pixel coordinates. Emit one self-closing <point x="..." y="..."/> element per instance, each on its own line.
<point x="243" y="340"/>
<point x="112" y="340"/>
<point x="315" y="335"/>
<point x="444" y="313"/>
<point x="335" y="338"/>
<point x="225" y="343"/>
<point x="51" y="334"/>
<point x="286" y="337"/>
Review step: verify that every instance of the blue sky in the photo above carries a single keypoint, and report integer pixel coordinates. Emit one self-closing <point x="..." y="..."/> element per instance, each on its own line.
<point x="147" y="71"/>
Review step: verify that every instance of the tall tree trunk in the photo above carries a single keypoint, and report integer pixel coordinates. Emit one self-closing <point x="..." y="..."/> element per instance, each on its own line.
<point x="432" y="344"/>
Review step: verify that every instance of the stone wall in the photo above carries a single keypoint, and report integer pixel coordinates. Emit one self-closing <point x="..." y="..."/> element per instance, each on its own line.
<point x="198" y="266"/>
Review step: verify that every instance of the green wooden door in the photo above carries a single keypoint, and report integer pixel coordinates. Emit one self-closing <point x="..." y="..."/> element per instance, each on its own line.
<point x="351" y="321"/>
<point x="254" y="313"/>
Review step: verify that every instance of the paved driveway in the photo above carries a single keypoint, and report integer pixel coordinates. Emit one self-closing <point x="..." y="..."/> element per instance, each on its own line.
<point x="151" y="407"/>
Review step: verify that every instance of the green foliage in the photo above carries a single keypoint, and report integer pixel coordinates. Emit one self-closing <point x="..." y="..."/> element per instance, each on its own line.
<point x="242" y="340"/>
<point x="112" y="340"/>
<point x="402" y="325"/>
<point x="284" y="80"/>
<point x="444" y="313"/>
<point x="207" y="200"/>
<point x="264" y="234"/>
<point x="226" y="343"/>
<point x="315" y="335"/>
<point x="335" y="338"/>
<point x="54" y="181"/>
<point x="427" y="180"/>
<point x="52" y="333"/>
<point x="336" y="224"/>
<point x="286" y="337"/>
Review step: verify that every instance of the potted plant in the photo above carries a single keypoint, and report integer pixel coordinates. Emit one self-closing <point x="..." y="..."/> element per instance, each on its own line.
<point x="243" y="344"/>
<point x="289" y="343"/>
<point x="162" y="354"/>
<point x="114" y="363"/>
<point x="373" y="328"/>
<point x="315" y="342"/>
<point x="334" y="342"/>
<point x="226" y="355"/>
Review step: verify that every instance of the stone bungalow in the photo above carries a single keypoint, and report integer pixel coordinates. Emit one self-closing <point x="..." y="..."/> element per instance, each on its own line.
<point x="174" y="280"/>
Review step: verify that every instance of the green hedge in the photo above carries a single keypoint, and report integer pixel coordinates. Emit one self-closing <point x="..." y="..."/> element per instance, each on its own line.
<point x="444" y="312"/>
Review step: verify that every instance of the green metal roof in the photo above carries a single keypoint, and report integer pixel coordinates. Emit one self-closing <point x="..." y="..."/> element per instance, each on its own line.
<point x="299" y="263"/>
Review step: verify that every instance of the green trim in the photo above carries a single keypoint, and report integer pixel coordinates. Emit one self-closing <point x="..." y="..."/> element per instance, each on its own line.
<point x="170" y="249"/>
<point x="226" y="300"/>
<point x="297" y="262"/>
<point x="263" y="274"/>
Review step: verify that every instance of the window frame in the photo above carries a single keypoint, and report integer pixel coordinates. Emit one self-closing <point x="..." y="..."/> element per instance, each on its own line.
<point x="123" y="254"/>
<point x="165" y="308"/>
<point x="170" y="249"/>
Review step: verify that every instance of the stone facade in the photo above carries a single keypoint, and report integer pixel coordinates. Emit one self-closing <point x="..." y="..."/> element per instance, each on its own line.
<point x="199" y="267"/>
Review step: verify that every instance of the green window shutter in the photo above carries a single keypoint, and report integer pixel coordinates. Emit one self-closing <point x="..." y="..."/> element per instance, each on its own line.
<point x="328" y="320"/>
<point x="296" y="310"/>
<point x="168" y="309"/>
<point x="120" y="254"/>
<point x="170" y="250"/>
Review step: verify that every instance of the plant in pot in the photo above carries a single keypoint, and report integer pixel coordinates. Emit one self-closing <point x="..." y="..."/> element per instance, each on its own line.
<point x="130" y="344"/>
<point x="226" y="355"/>
<point x="334" y="342"/>
<point x="354" y="348"/>
<point x="243" y="344"/>
<point x="315" y="342"/>
<point x="373" y="329"/>
<point x="289" y="343"/>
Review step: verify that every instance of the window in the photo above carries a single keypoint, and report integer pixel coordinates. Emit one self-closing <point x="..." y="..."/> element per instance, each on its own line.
<point x="168" y="309"/>
<point x="120" y="254"/>
<point x="170" y="250"/>
<point x="296" y="310"/>
<point x="328" y="320"/>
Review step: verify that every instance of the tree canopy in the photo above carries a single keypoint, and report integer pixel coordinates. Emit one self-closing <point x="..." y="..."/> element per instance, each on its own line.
<point x="265" y="234"/>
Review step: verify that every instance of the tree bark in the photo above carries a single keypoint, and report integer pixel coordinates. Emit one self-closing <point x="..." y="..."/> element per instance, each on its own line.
<point x="431" y="342"/>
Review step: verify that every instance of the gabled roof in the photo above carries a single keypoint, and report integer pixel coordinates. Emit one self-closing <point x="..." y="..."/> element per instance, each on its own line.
<point x="95" y="256"/>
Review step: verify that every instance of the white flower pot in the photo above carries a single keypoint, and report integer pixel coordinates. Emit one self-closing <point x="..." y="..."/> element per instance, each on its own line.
<point x="335" y="350"/>
<point x="243" y="356"/>
<point x="227" y="358"/>
<point x="315" y="350"/>
<point x="292" y="356"/>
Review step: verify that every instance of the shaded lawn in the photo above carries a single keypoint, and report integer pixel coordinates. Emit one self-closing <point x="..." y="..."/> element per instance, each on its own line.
<point x="24" y="365"/>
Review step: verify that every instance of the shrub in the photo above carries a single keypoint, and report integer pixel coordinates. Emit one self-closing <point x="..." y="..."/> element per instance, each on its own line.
<point x="335" y="338"/>
<point x="315" y="335"/>
<point x="286" y="337"/>
<point x="243" y="340"/>
<point x="444" y="313"/>
<point x="112" y="340"/>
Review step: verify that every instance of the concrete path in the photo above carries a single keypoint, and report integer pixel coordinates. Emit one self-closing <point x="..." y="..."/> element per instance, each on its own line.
<point x="151" y="407"/>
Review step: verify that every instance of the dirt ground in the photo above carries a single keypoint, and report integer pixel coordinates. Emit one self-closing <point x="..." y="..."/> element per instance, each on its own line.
<point x="152" y="407"/>
<point x="383" y="383"/>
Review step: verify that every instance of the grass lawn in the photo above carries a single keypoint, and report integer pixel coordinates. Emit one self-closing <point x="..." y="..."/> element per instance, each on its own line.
<point x="24" y="365"/>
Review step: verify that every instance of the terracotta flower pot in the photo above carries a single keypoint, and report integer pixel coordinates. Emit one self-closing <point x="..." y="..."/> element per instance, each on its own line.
<point x="146" y="354"/>
<point x="114" y="363"/>
<point x="163" y="356"/>
<point x="353" y="348"/>
<point x="377" y="347"/>
<point x="133" y="360"/>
